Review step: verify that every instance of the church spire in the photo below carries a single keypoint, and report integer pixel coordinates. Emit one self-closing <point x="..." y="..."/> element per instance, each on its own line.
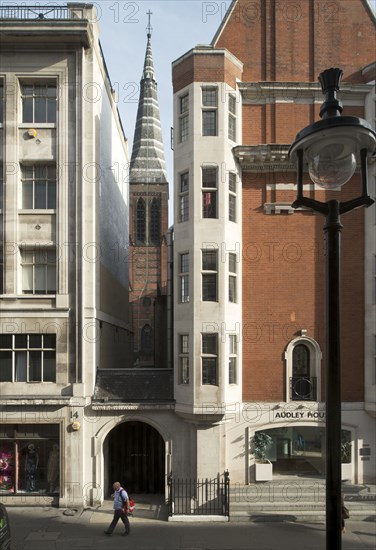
<point x="148" y="160"/>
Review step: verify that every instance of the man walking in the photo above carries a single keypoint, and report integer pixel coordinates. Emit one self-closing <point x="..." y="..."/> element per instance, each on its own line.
<point x="120" y="497"/>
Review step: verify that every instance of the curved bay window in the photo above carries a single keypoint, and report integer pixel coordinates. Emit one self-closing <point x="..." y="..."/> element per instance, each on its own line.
<point x="303" y="368"/>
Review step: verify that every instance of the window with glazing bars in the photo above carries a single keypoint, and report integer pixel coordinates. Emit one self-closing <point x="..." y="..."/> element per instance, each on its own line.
<point x="209" y="359"/>
<point x="232" y="117"/>
<point x="39" y="103"/>
<point x="27" y="357"/>
<point x="38" y="186"/>
<point x="209" y="275"/>
<point x="232" y="197"/>
<point x="184" y="197"/>
<point x="38" y="271"/>
<point x="184" y="277"/>
<point x="184" y="117"/>
<point x="183" y="359"/>
<point x="209" y="111"/>
<point x="209" y="192"/>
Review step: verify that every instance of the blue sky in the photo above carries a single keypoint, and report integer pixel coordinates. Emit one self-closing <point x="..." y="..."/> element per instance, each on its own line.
<point x="178" y="25"/>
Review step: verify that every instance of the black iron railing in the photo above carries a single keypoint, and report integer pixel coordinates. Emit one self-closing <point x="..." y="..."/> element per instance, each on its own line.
<point x="199" y="496"/>
<point x="35" y="12"/>
<point x="303" y="388"/>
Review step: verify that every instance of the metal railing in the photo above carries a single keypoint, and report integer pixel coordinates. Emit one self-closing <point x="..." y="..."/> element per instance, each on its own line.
<point x="199" y="496"/>
<point x="303" y="388"/>
<point x="35" y="12"/>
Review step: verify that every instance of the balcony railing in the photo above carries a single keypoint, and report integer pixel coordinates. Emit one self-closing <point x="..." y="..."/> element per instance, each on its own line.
<point x="35" y="12"/>
<point x="303" y="388"/>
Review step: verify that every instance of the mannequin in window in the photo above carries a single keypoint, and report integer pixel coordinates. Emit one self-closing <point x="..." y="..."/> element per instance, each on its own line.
<point x="31" y="465"/>
<point x="53" y="468"/>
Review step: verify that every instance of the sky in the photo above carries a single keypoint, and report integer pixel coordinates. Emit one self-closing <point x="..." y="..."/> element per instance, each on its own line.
<point x="178" y="26"/>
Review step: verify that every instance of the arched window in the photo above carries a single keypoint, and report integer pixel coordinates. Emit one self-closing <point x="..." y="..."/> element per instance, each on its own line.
<point x="146" y="339"/>
<point x="303" y="370"/>
<point x="141" y="221"/>
<point x="155" y="222"/>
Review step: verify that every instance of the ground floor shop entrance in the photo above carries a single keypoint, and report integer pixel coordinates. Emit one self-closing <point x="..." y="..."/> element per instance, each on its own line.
<point x="135" y="456"/>
<point x="297" y="450"/>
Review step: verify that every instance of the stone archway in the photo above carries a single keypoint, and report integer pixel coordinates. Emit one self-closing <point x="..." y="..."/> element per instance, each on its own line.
<point x="136" y="457"/>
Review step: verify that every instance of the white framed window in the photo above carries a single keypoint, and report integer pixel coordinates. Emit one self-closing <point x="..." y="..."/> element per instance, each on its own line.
<point x="184" y="197"/>
<point x="233" y="359"/>
<point x="209" y="275"/>
<point x="209" y="191"/>
<point x="39" y="102"/>
<point x="232" y="191"/>
<point x="27" y="357"/>
<point x="209" y="111"/>
<point x="232" y="277"/>
<point x="209" y="359"/>
<point x="183" y="118"/>
<point x="38" y="270"/>
<point x="38" y="186"/>
<point x="184" y="277"/>
<point x="232" y="117"/>
<point x="183" y="359"/>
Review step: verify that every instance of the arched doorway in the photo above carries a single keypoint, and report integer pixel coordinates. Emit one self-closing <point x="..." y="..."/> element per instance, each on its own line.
<point x="135" y="454"/>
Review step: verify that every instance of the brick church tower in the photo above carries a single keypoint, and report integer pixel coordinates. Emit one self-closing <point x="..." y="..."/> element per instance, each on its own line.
<point x="148" y="192"/>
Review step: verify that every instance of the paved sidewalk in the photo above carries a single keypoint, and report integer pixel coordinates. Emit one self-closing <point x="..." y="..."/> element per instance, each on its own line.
<point x="49" y="529"/>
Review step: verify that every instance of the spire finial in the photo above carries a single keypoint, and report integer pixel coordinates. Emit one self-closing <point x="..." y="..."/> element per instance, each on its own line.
<point x="149" y="28"/>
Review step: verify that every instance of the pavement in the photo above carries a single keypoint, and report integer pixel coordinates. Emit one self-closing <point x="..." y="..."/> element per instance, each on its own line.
<point x="48" y="528"/>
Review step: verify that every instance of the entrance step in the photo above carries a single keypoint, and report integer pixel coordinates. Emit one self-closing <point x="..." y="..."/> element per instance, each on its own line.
<point x="295" y="499"/>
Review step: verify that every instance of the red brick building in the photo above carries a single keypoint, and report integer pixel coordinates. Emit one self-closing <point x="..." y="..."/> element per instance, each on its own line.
<point x="249" y="304"/>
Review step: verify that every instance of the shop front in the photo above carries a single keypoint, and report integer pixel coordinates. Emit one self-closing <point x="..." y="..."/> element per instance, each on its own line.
<point x="29" y="459"/>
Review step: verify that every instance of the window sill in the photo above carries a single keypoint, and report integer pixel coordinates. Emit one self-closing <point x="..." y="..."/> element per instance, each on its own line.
<point x="41" y="125"/>
<point x="37" y="211"/>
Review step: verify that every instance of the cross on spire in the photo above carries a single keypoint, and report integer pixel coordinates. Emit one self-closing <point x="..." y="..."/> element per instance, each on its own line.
<point x="149" y="28"/>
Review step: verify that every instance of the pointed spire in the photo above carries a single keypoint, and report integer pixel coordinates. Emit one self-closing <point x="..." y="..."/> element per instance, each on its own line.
<point x="148" y="160"/>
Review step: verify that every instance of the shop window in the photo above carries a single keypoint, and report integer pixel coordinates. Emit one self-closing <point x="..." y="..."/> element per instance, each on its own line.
<point x="27" y="358"/>
<point x="29" y="459"/>
<point x="39" y="103"/>
<point x="303" y="364"/>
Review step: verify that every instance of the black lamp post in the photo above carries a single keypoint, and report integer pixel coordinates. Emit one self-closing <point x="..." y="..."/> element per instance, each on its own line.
<point x="331" y="148"/>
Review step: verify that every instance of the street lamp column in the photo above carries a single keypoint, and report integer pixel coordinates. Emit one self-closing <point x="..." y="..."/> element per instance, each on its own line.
<point x="330" y="149"/>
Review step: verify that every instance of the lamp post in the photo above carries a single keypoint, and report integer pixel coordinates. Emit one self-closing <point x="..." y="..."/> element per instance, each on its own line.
<point x="330" y="148"/>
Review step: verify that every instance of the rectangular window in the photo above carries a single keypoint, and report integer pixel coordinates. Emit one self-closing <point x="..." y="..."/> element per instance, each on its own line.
<point x="183" y="359"/>
<point x="184" y="278"/>
<point x="209" y="275"/>
<point x="232" y="197"/>
<point x="27" y="357"/>
<point x="209" y="111"/>
<point x="39" y="103"/>
<point x="39" y="186"/>
<point x="209" y="192"/>
<point x="232" y="117"/>
<point x="1" y="188"/>
<point x="183" y="118"/>
<point x="232" y="278"/>
<point x="1" y="103"/>
<point x="38" y="271"/>
<point x="1" y="270"/>
<point x="209" y="359"/>
<point x="232" y="359"/>
<point x="184" y="197"/>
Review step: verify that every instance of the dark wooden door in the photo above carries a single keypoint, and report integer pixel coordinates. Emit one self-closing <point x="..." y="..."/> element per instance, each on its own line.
<point x="137" y="458"/>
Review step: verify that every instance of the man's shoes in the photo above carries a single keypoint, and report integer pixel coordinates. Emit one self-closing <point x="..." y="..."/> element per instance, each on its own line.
<point x="107" y="532"/>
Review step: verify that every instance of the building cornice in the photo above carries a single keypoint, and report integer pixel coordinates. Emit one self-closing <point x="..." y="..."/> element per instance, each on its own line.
<point x="254" y="93"/>
<point x="264" y="158"/>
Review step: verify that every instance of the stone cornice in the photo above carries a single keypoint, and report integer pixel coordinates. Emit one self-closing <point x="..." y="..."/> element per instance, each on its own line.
<point x="264" y="158"/>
